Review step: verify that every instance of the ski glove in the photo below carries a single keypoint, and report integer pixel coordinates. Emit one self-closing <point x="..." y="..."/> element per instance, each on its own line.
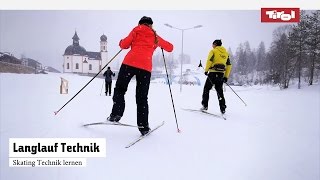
<point x="225" y="79"/>
<point x="206" y="73"/>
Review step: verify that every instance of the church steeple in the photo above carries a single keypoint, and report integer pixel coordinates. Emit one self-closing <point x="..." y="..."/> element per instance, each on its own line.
<point x="103" y="43"/>
<point x="75" y="39"/>
<point x="103" y="50"/>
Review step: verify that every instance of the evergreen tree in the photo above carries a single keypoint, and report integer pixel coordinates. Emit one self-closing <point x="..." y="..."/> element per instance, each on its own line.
<point x="313" y="42"/>
<point x="261" y="58"/>
<point x="297" y="38"/>
<point x="242" y="64"/>
<point x="280" y="57"/>
<point x="250" y="58"/>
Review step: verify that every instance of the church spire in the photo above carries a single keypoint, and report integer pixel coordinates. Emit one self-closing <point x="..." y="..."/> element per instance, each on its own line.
<point x="75" y="39"/>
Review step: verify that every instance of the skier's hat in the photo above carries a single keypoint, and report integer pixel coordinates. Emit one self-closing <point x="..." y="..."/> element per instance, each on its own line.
<point x="217" y="42"/>
<point x="146" y="20"/>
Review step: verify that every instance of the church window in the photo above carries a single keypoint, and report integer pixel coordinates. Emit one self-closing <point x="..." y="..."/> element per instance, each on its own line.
<point x="90" y="66"/>
<point x="77" y="65"/>
<point x="68" y="66"/>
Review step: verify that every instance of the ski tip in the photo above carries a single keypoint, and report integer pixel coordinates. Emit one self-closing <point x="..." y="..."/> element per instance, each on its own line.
<point x="179" y="131"/>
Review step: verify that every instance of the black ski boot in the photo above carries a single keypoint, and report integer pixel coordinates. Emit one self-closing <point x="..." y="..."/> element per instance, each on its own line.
<point x="223" y="109"/>
<point x="144" y="130"/>
<point x="113" y="118"/>
<point x="203" y="108"/>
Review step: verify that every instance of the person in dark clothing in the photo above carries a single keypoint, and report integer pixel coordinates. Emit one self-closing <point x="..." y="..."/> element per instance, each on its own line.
<point x="218" y="68"/>
<point x="108" y="80"/>
<point x="143" y="41"/>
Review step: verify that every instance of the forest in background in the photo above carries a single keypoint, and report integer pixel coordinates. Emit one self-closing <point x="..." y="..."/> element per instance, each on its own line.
<point x="293" y="54"/>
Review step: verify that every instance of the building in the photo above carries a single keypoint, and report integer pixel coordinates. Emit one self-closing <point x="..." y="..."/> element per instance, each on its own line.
<point x="77" y="60"/>
<point x="31" y="63"/>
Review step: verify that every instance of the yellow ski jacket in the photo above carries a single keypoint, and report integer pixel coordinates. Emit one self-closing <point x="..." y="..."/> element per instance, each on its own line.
<point x="218" y="61"/>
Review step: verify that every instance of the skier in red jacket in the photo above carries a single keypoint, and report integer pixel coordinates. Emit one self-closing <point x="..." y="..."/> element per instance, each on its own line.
<point x="143" y="41"/>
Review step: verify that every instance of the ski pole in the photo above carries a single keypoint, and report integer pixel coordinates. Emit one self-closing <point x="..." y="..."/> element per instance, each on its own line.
<point x="174" y="109"/>
<point x="236" y="94"/>
<point x="56" y="112"/>
<point x="101" y="88"/>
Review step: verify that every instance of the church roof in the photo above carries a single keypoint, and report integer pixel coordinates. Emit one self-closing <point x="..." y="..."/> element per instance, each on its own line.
<point x="75" y="36"/>
<point x="75" y="49"/>
<point x="94" y="55"/>
<point x="103" y="38"/>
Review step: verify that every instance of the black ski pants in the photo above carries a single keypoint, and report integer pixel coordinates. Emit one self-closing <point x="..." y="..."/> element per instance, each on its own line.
<point x="214" y="79"/>
<point x="142" y="89"/>
<point x="108" y="87"/>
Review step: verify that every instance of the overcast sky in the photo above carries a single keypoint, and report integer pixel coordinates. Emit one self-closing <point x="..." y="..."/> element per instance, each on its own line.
<point x="44" y="35"/>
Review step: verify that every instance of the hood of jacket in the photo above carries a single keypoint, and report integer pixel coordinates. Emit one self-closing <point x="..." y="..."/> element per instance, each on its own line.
<point x="221" y="49"/>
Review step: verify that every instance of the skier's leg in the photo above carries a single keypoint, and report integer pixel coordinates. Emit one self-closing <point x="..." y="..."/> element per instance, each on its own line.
<point x="206" y="90"/>
<point x="142" y="90"/>
<point x="106" y="87"/>
<point x="219" y="89"/>
<point x="124" y="77"/>
<point x="109" y="85"/>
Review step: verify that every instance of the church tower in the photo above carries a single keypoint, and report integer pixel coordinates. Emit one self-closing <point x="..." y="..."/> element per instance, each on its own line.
<point x="103" y="51"/>
<point x="75" y="39"/>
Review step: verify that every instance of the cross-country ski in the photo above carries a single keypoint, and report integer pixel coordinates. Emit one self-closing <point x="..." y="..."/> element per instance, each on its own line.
<point x="223" y="116"/>
<point x="109" y="123"/>
<point x="143" y="136"/>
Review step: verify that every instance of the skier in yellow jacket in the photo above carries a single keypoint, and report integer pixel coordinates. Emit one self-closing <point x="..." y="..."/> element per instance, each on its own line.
<point x="218" y="68"/>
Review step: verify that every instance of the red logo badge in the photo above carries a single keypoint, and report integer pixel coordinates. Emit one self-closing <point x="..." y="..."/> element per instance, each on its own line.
<point x="280" y="15"/>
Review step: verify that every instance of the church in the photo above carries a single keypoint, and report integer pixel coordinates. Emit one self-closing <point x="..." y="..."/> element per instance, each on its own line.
<point x="76" y="59"/>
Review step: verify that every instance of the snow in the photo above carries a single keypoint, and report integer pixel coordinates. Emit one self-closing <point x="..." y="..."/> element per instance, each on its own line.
<point x="276" y="136"/>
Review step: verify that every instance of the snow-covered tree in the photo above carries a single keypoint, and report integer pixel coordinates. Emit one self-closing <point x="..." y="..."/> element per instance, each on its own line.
<point x="313" y="42"/>
<point x="297" y="43"/>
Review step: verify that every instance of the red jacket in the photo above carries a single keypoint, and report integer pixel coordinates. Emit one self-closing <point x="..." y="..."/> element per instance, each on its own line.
<point x="142" y="40"/>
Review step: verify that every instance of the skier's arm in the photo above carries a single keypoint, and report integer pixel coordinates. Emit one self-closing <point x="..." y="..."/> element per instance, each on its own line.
<point x="126" y="42"/>
<point x="228" y="68"/>
<point x="209" y="61"/>
<point x="164" y="44"/>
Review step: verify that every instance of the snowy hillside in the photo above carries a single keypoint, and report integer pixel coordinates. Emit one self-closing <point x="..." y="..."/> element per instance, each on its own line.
<point x="275" y="137"/>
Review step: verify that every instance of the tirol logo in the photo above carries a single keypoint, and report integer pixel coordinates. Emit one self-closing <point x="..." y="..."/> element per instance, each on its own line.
<point x="280" y="15"/>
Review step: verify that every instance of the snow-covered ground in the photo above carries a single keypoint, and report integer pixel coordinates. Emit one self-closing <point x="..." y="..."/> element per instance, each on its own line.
<point x="275" y="137"/>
